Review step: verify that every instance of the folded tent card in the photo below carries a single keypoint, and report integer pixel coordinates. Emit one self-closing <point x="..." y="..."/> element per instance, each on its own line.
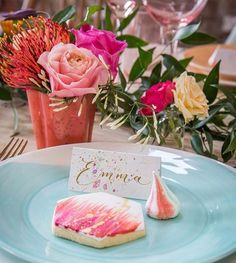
<point x="228" y="60"/>
<point x="120" y="173"/>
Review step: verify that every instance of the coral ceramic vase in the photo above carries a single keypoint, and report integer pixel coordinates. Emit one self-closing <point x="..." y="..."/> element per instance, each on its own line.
<point x="53" y="128"/>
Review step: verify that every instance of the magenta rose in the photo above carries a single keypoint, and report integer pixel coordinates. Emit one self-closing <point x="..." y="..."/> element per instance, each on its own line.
<point x="100" y="42"/>
<point x="158" y="96"/>
<point x="73" y="71"/>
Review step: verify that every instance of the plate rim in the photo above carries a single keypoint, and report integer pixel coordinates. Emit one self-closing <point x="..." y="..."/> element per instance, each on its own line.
<point x="164" y="148"/>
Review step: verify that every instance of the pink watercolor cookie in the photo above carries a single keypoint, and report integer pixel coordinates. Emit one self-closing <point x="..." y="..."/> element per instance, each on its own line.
<point x="98" y="220"/>
<point x="161" y="203"/>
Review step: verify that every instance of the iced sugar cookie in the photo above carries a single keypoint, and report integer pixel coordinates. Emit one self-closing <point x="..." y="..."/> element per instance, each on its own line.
<point x="98" y="220"/>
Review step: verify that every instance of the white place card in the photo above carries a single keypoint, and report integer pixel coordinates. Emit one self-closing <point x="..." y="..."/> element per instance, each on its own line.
<point x="228" y="60"/>
<point x="120" y="173"/>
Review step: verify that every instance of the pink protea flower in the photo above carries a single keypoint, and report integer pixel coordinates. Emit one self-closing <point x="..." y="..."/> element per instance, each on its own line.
<point x="19" y="54"/>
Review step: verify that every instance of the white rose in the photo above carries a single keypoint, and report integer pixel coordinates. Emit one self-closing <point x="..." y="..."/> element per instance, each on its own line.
<point x="189" y="98"/>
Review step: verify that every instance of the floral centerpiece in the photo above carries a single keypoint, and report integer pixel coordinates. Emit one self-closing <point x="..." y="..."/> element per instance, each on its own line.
<point x="66" y="66"/>
<point x="66" y="71"/>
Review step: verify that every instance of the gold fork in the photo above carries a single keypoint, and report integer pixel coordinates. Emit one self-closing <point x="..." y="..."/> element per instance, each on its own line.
<point x="13" y="148"/>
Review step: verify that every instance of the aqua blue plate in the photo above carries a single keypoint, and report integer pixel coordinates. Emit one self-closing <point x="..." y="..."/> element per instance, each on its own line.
<point x="205" y="231"/>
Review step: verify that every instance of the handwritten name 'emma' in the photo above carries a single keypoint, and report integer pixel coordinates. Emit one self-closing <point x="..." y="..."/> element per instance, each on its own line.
<point x="86" y="177"/>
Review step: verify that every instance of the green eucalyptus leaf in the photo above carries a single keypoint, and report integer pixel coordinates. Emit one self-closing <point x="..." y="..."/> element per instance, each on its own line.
<point x="218" y="120"/>
<point x="145" y="56"/>
<point x="173" y="68"/>
<point x="141" y="64"/>
<point x="64" y="15"/>
<point x="132" y="41"/>
<point x="218" y="136"/>
<point x="169" y="61"/>
<point x="91" y="10"/>
<point x="170" y="74"/>
<point x="232" y="145"/>
<point x="212" y="112"/>
<point x="198" y="76"/>
<point x="146" y="82"/>
<point x="122" y="79"/>
<point x="231" y="100"/>
<point x="226" y="156"/>
<point x="199" y="38"/>
<point x="136" y="71"/>
<point x="139" y="93"/>
<point x="232" y="124"/>
<point x="186" y="31"/>
<point x="143" y="87"/>
<point x="230" y="107"/>
<point x="108" y="23"/>
<point x="156" y="74"/>
<point x="196" y="143"/>
<point x="209" y="140"/>
<point x="185" y="62"/>
<point x="210" y="86"/>
<point x="125" y="22"/>
<point x="127" y="102"/>
<point x="136" y="123"/>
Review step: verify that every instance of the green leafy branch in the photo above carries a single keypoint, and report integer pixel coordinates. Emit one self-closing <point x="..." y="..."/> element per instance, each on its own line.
<point x="203" y="132"/>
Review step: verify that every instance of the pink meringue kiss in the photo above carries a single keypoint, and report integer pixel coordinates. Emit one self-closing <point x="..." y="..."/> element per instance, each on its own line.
<point x="161" y="203"/>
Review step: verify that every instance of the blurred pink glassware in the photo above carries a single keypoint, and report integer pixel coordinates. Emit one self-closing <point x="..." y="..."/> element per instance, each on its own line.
<point x="172" y="15"/>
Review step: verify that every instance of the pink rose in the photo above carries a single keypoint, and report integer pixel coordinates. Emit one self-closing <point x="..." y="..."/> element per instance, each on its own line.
<point x="73" y="71"/>
<point x="159" y="96"/>
<point x="100" y="42"/>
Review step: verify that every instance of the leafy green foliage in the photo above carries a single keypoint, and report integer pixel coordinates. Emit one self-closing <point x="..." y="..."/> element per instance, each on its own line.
<point x="231" y="100"/>
<point x="196" y="143"/>
<point x="132" y="41"/>
<point x="198" y="76"/>
<point x="189" y="35"/>
<point x="126" y="21"/>
<point x="227" y="155"/>
<point x="232" y="145"/>
<point x="169" y="62"/>
<point x="161" y="125"/>
<point x="209" y="140"/>
<point x="185" y="61"/>
<point x="64" y="15"/>
<point x="122" y="79"/>
<point x="199" y="38"/>
<point x="155" y="76"/>
<point x="211" y="84"/>
<point x="212" y="112"/>
<point x="145" y="85"/>
<point x="108" y="23"/>
<point x="187" y="31"/>
<point x="141" y="64"/>
<point x="173" y="67"/>
<point x="91" y="10"/>
<point x="202" y="143"/>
